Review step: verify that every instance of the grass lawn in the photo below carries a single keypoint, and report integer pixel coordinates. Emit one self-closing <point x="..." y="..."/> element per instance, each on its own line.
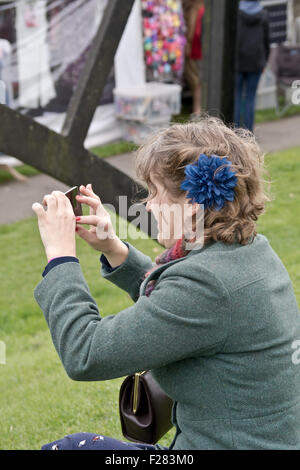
<point x="281" y="223"/>
<point x="38" y="402"/>
<point x="267" y="115"/>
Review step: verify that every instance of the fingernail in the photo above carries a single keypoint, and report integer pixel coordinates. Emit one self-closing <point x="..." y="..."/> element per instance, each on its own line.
<point x="77" y="218"/>
<point x="76" y="229"/>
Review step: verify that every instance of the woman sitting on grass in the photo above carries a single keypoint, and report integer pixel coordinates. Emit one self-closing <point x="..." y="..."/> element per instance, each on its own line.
<point x="218" y="325"/>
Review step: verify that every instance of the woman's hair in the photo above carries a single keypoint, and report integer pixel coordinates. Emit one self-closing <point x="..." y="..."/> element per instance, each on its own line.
<point x="166" y="153"/>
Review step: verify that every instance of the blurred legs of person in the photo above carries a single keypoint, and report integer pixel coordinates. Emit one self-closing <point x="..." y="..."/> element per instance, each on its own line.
<point x="193" y="75"/>
<point x="246" y="87"/>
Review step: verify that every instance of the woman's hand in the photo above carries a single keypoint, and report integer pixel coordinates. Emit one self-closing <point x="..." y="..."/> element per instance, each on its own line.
<point x="57" y="225"/>
<point x="101" y="235"/>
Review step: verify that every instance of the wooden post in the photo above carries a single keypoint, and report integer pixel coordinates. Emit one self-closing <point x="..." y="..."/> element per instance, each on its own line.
<point x="219" y="50"/>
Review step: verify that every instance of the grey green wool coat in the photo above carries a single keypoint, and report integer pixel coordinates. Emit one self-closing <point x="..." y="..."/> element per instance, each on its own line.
<point x="220" y="333"/>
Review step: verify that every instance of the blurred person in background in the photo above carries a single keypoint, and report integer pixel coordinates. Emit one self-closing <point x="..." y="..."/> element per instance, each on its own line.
<point x="193" y="15"/>
<point x="253" y="49"/>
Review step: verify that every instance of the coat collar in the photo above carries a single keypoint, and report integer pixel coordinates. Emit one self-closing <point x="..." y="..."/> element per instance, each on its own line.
<point x="219" y="246"/>
<point x="210" y="246"/>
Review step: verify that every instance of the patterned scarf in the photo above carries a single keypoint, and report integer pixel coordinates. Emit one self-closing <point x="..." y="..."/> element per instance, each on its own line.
<point x="176" y="251"/>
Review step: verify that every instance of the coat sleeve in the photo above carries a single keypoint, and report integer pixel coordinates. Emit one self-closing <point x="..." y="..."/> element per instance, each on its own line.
<point x="130" y="274"/>
<point x="183" y="317"/>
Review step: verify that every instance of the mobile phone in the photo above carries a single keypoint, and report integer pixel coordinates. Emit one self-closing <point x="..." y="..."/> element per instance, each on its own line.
<point x="71" y="194"/>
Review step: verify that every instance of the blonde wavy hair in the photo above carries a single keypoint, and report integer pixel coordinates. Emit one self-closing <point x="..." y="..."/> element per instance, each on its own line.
<point x="166" y="153"/>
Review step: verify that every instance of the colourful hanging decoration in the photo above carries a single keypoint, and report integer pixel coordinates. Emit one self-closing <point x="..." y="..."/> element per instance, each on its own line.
<point x="164" y="39"/>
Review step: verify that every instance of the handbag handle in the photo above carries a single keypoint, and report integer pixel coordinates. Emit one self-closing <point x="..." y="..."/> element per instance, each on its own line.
<point x="136" y="390"/>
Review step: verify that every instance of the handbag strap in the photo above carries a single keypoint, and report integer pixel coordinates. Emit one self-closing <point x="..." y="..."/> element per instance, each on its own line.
<point x="136" y="390"/>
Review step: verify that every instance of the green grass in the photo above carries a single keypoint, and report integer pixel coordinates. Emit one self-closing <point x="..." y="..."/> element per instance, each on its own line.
<point x="38" y="402"/>
<point x="268" y="115"/>
<point x="281" y="223"/>
<point x="115" y="148"/>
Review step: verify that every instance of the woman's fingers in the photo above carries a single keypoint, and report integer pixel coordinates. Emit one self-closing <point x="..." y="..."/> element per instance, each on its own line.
<point x="38" y="209"/>
<point x="100" y="226"/>
<point x="88" y="220"/>
<point x="90" y="189"/>
<point x="57" y="200"/>
<point x="87" y="191"/>
<point x="89" y="201"/>
<point x="63" y="202"/>
<point x="60" y="196"/>
<point x="51" y="202"/>
<point x="87" y="235"/>
<point x="48" y="198"/>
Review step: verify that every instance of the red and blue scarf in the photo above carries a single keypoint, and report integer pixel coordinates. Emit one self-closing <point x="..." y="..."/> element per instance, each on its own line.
<point x="176" y="251"/>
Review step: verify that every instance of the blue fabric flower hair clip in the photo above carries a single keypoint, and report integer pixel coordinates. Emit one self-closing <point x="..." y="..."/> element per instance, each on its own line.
<point x="207" y="186"/>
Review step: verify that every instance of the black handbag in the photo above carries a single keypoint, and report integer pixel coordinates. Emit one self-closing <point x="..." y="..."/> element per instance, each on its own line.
<point x="145" y="410"/>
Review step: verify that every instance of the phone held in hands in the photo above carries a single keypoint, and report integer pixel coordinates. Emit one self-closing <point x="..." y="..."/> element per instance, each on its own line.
<point x="71" y="194"/>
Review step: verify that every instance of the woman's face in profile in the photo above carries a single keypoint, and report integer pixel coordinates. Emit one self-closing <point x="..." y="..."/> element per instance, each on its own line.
<point x="169" y="215"/>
